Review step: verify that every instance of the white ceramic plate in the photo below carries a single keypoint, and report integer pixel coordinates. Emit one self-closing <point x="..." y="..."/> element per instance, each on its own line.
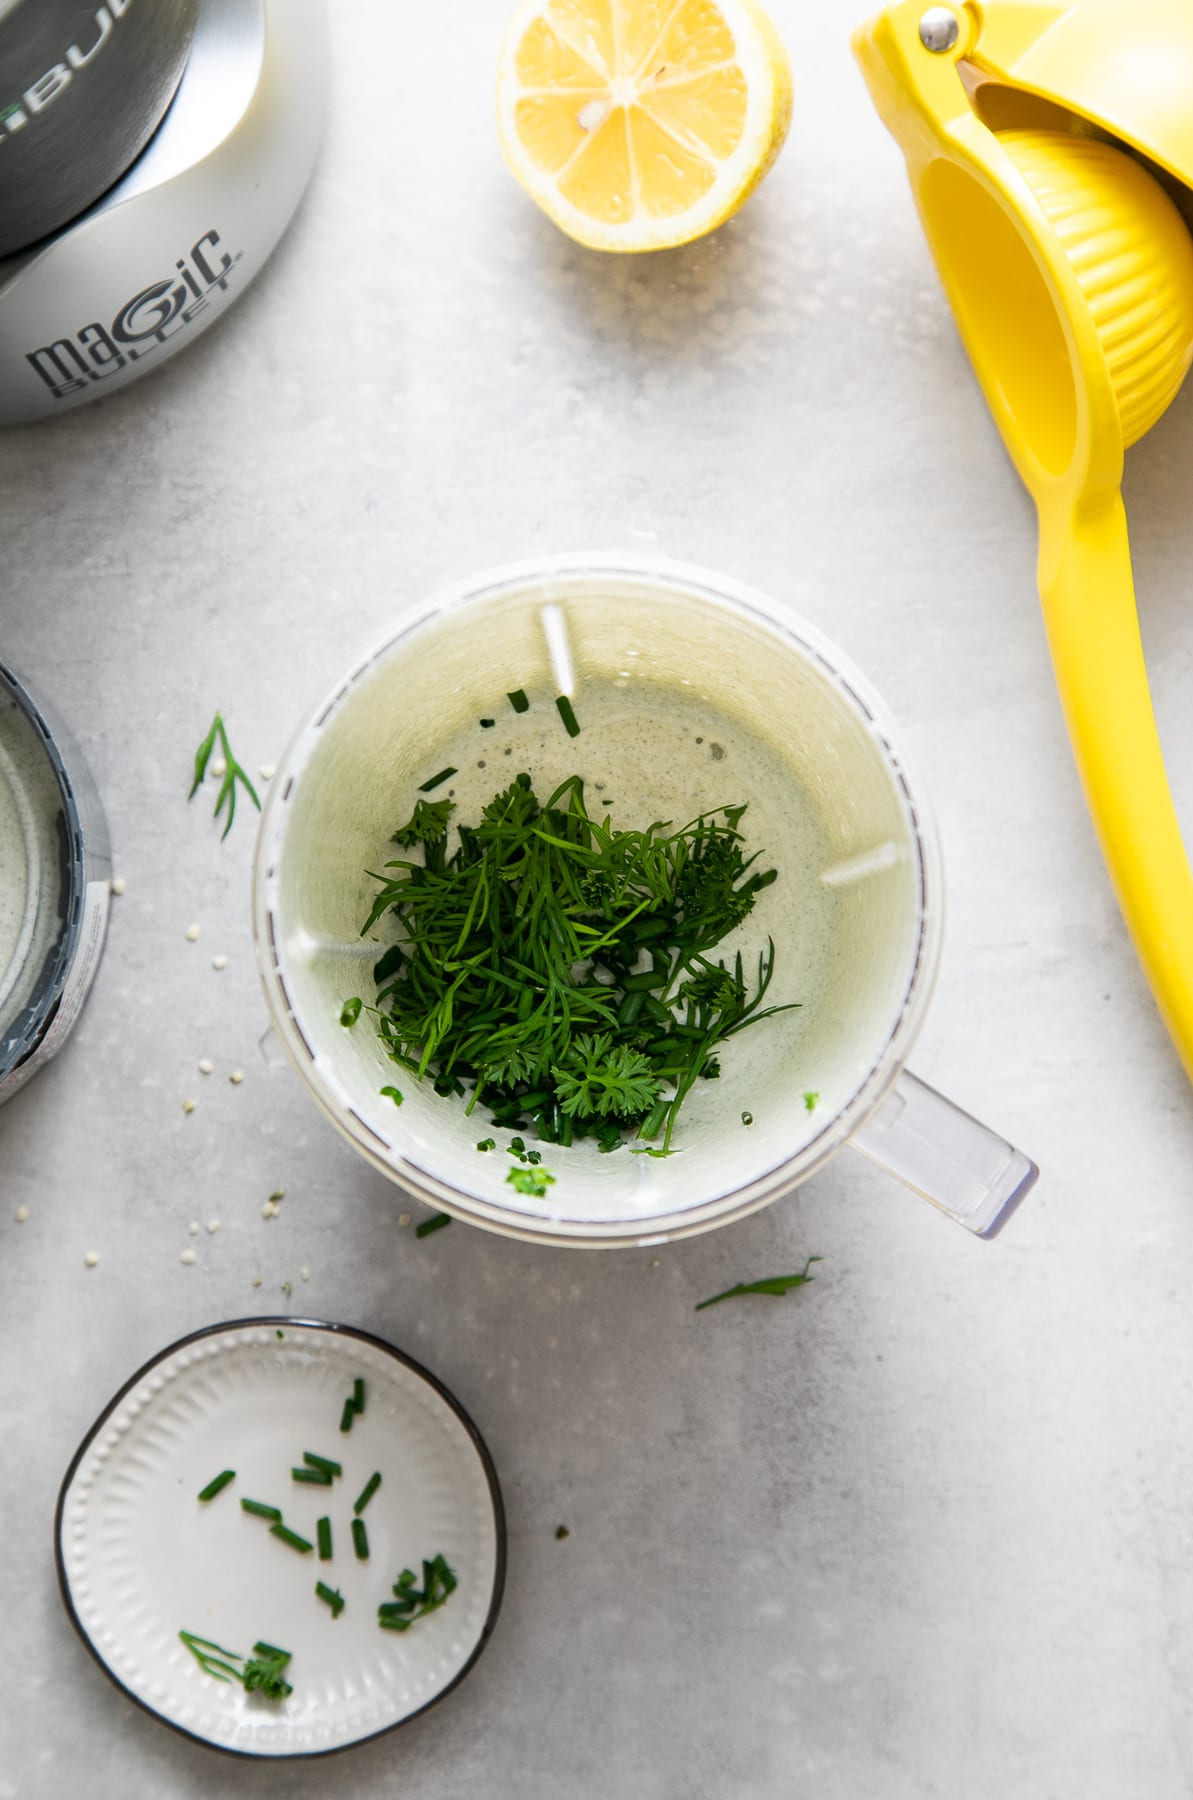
<point x="140" y="1558"/>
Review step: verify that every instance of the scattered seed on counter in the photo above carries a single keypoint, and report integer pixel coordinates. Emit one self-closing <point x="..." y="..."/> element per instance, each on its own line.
<point x="278" y="1194"/>
<point x="219" y="962"/>
<point x="188" y="1256"/>
<point x="403" y="1219"/>
<point x="256" y="1282"/>
<point x="91" y="1258"/>
<point x="206" y="1066"/>
<point x="236" y="1077"/>
<point x="287" y="1289"/>
<point x="213" y="1224"/>
<point x="305" y="1273"/>
<point x="267" y="771"/>
<point x="219" y="768"/>
<point x="192" y="934"/>
<point x="656" y="1262"/>
<point x="21" y="1214"/>
<point x="269" y="1210"/>
<point x="116" y="885"/>
<point x="188" y="1106"/>
<point x="194" y="1228"/>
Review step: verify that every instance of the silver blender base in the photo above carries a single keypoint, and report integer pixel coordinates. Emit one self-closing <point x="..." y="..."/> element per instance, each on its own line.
<point x="157" y="259"/>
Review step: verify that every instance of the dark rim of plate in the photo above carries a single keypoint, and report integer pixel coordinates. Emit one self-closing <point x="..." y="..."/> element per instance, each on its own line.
<point x="445" y="1394"/>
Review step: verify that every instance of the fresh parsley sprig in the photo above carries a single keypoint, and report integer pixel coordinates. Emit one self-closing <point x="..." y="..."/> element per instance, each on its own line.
<point x="233" y="773"/>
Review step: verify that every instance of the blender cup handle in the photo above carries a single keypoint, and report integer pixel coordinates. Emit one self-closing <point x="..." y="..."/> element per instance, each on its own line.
<point x="961" y="1166"/>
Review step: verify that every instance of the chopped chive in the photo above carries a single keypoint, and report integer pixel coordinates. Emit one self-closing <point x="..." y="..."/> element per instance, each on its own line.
<point x="518" y="701"/>
<point x="261" y="1511"/>
<point x="747" y="1118"/>
<point x="218" y="1485"/>
<point x="437" y="780"/>
<point x="272" y="1652"/>
<point x="360" y="1540"/>
<point x="323" y="1534"/>
<point x="332" y="1596"/>
<point x="561" y="1532"/>
<point x="487" y="724"/>
<point x="349" y="1014"/>
<point x="313" y="1477"/>
<point x="810" y="1101"/>
<point x="410" y="1602"/>
<point x="771" y="1284"/>
<point x="487" y="1144"/>
<point x="433" y="1224"/>
<point x="367" y="1492"/>
<point x="322" y="1462"/>
<point x="358" y="1394"/>
<point x="347" y="1416"/>
<point x="291" y="1537"/>
<point x="564" y="708"/>
<point x="392" y="1093"/>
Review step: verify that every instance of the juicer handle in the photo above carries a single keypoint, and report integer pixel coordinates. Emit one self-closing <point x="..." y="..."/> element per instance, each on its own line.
<point x="1088" y="595"/>
<point x="946" y="1155"/>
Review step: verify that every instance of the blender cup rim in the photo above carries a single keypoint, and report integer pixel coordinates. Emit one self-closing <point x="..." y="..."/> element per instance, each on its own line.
<point x="735" y="598"/>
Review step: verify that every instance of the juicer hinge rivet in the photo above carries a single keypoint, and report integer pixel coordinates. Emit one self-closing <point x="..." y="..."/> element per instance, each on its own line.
<point x="939" y="29"/>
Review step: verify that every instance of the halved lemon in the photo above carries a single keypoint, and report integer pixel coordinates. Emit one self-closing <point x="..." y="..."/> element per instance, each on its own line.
<point x="640" y="124"/>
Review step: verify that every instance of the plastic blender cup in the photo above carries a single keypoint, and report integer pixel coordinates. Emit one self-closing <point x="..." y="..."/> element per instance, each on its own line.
<point x="666" y="666"/>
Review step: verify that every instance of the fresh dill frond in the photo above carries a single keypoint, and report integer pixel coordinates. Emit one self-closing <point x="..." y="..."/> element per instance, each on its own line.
<point x="233" y="773"/>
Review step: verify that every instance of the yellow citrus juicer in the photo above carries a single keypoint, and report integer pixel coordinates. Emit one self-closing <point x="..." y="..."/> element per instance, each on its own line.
<point x="1050" y="150"/>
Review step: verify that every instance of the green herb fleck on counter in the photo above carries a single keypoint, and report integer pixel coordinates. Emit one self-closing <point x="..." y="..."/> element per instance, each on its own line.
<point x="772" y="1284"/>
<point x="435" y="1223"/>
<point x="233" y="773"/>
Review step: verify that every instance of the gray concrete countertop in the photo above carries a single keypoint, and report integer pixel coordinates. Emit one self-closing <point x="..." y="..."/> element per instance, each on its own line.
<point x="922" y="1529"/>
